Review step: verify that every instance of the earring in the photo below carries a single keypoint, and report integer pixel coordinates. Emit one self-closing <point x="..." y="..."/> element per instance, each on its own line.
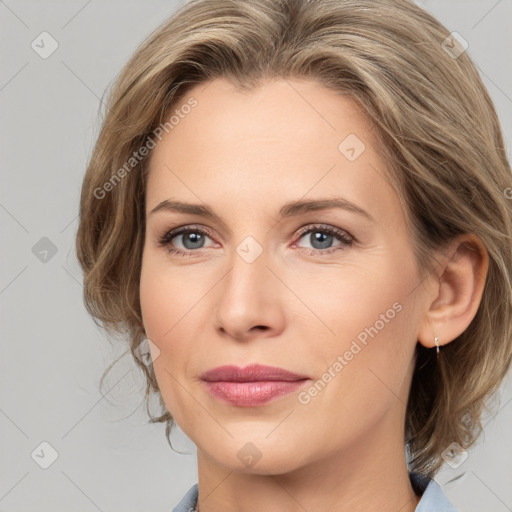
<point x="436" y="341"/>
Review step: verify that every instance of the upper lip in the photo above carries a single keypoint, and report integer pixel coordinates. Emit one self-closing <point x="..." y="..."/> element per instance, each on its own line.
<point x="250" y="373"/>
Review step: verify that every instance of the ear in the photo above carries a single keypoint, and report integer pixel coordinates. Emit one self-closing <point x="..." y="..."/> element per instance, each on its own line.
<point x="454" y="299"/>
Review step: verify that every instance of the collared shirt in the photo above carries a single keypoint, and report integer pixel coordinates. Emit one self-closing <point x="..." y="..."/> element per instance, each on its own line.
<point x="433" y="498"/>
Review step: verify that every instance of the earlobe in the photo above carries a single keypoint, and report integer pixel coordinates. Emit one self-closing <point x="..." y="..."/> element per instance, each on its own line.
<point x="454" y="301"/>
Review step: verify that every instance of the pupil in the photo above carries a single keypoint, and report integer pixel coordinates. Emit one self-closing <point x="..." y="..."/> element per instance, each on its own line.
<point x="322" y="238"/>
<point x="192" y="238"/>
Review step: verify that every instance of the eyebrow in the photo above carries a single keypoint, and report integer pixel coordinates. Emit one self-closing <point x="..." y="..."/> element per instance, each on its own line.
<point x="290" y="209"/>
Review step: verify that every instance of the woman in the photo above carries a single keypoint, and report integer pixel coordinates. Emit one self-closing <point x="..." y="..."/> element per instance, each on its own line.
<point x="300" y="209"/>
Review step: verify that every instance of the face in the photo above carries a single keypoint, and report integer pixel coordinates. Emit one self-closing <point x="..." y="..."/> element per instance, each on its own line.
<point x="330" y="292"/>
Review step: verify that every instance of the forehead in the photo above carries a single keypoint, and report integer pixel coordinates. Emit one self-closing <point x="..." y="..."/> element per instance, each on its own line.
<point x="283" y="110"/>
<point x="284" y="140"/>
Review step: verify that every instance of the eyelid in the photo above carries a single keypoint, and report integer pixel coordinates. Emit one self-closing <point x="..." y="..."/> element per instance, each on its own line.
<point x="324" y="227"/>
<point x="346" y="238"/>
<point x="174" y="232"/>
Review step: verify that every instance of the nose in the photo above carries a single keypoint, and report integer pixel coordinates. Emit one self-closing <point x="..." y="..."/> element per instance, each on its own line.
<point x="249" y="298"/>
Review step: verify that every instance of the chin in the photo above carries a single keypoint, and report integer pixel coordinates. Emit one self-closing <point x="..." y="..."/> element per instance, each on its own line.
<point x="258" y="456"/>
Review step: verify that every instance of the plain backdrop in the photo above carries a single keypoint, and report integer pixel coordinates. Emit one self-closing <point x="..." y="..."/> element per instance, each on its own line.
<point x="100" y="451"/>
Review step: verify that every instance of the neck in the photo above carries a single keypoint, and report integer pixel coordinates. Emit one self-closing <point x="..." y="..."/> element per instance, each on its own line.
<point x="369" y="475"/>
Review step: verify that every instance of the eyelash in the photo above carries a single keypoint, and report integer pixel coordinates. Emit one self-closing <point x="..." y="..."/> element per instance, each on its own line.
<point x="346" y="239"/>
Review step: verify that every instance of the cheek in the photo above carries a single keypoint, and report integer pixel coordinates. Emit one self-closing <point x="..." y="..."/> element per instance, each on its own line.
<point x="370" y="312"/>
<point x="172" y="303"/>
<point x="363" y="376"/>
<point x="155" y="302"/>
<point x="160" y="313"/>
<point x="167" y="295"/>
<point x="357" y="296"/>
<point x="162" y="308"/>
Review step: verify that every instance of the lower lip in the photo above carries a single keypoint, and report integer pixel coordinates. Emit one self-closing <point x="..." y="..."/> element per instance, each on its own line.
<point x="250" y="394"/>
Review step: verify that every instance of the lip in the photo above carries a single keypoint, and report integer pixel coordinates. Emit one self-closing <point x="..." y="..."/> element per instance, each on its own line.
<point x="250" y="373"/>
<point x="252" y="385"/>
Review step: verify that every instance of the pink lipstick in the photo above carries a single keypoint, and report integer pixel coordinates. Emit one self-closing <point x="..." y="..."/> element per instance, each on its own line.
<point x="252" y="385"/>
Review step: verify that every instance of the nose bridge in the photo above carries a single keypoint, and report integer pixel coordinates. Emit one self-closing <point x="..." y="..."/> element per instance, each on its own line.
<point x="248" y="293"/>
<point x="249" y="272"/>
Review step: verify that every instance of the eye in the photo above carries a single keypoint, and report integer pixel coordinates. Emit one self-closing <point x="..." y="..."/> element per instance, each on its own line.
<point x="191" y="238"/>
<point x="322" y="236"/>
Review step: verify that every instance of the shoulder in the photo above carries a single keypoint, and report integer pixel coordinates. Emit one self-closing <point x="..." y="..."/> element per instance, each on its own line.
<point x="189" y="501"/>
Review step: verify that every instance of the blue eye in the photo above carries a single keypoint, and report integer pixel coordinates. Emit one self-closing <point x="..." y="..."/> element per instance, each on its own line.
<point x="192" y="239"/>
<point x="321" y="238"/>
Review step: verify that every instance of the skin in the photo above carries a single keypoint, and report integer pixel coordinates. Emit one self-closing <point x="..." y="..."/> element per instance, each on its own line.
<point x="245" y="154"/>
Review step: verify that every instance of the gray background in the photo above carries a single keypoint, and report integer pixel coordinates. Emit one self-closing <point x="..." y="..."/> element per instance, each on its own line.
<point x="52" y="355"/>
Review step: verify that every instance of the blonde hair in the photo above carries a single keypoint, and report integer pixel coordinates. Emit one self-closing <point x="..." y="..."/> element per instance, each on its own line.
<point x="439" y="133"/>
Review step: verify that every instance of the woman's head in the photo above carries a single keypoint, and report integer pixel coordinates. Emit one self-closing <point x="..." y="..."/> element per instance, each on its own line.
<point x="246" y="107"/>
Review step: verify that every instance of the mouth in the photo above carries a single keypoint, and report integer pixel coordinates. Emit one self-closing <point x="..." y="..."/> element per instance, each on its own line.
<point x="252" y="385"/>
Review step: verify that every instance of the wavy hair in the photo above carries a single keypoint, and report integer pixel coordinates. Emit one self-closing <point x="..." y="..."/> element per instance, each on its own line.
<point x="439" y="133"/>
